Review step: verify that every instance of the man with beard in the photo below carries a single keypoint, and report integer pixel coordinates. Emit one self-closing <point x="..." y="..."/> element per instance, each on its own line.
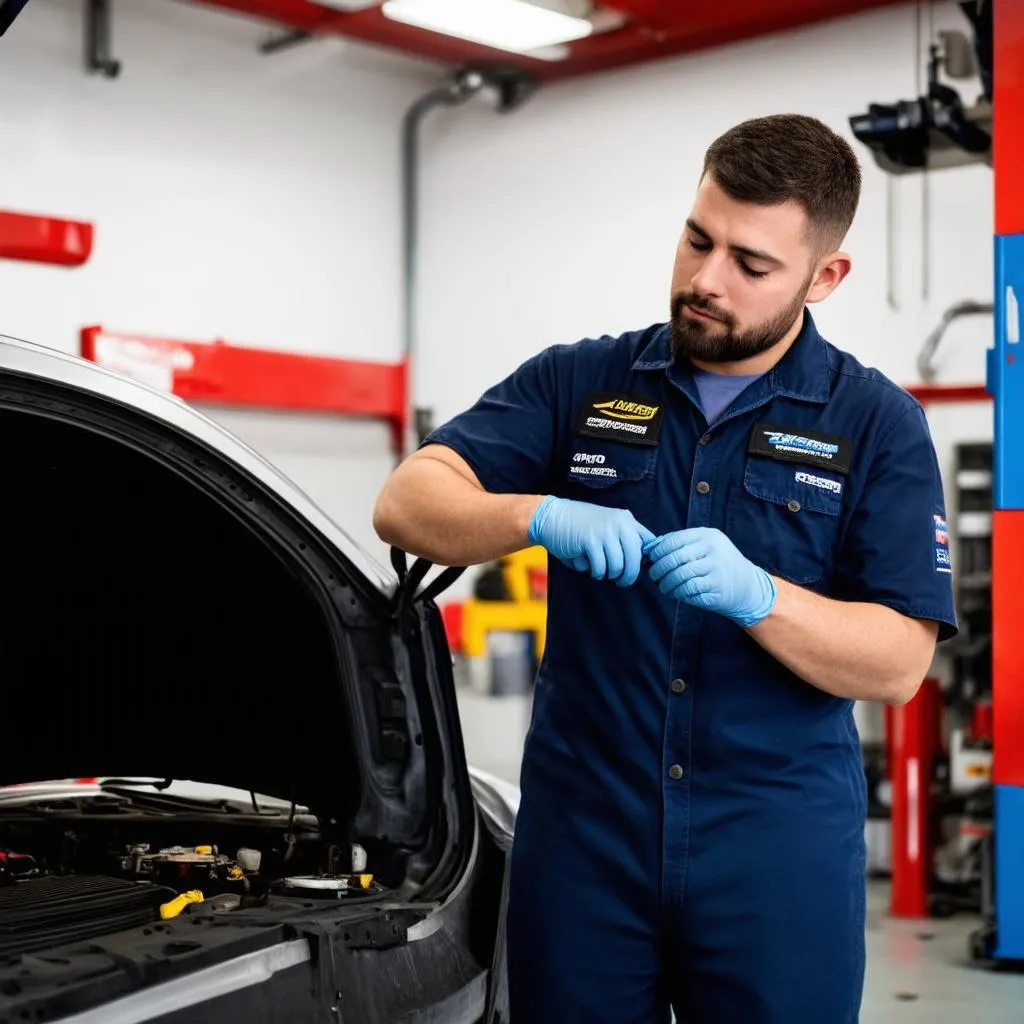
<point x="691" y="832"/>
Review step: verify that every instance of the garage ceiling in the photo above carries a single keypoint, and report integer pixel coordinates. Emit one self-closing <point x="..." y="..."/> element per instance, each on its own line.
<point x="651" y="29"/>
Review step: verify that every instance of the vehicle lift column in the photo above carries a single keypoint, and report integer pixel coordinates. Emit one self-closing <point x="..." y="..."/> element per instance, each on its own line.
<point x="1006" y="383"/>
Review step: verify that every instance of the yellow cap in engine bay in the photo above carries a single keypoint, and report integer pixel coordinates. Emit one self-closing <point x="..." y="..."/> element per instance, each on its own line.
<point x="179" y="903"/>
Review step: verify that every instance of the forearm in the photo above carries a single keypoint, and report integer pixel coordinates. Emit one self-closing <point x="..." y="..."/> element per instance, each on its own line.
<point x="853" y="650"/>
<point x="430" y="510"/>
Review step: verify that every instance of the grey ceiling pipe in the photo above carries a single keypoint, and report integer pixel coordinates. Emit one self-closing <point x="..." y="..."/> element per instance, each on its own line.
<point x="926" y="357"/>
<point x="511" y="88"/>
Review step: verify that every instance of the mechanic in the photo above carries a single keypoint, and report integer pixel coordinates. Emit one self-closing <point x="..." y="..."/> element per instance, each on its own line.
<point x="747" y="535"/>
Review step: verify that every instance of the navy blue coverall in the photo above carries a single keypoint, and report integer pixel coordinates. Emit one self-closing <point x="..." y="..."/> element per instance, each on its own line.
<point x="692" y="821"/>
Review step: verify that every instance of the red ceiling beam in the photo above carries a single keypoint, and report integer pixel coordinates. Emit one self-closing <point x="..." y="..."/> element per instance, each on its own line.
<point x="369" y="26"/>
<point x="657" y="29"/>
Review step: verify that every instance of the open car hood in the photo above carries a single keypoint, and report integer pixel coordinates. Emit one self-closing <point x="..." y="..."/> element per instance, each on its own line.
<point x="174" y="608"/>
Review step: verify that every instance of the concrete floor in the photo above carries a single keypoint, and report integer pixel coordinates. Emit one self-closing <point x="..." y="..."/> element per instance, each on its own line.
<point x="918" y="971"/>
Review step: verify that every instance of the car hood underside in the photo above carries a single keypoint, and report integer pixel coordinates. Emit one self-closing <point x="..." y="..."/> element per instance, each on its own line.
<point x="146" y="632"/>
<point x="167" y="615"/>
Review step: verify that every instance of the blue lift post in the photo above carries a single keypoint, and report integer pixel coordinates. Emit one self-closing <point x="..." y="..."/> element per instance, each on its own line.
<point x="1006" y="384"/>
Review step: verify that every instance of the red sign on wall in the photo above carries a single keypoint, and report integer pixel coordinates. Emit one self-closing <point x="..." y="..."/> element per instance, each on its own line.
<point x="38" y="239"/>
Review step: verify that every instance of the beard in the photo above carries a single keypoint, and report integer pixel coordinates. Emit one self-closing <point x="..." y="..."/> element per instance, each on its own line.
<point x="721" y="342"/>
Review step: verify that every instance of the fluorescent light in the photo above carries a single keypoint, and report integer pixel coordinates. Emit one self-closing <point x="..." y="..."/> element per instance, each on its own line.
<point x="504" y="24"/>
<point x="349" y="6"/>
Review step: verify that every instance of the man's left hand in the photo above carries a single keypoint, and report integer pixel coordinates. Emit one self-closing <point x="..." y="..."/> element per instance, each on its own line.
<point x="702" y="567"/>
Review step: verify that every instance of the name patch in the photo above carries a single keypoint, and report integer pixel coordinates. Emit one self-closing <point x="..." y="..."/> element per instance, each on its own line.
<point x="585" y="464"/>
<point x="801" y="445"/>
<point x="821" y="482"/>
<point x="943" y="560"/>
<point x="632" y="419"/>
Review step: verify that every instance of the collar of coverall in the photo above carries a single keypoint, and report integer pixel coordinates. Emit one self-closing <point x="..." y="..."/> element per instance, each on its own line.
<point x="801" y="373"/>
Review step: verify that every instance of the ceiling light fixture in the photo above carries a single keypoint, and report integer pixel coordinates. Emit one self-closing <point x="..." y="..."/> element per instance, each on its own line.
<point x="513" y="25"/>
<point x="349" y="6"/>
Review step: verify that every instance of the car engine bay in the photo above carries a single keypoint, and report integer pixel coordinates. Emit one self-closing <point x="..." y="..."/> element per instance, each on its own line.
<point x="84" y="868"/>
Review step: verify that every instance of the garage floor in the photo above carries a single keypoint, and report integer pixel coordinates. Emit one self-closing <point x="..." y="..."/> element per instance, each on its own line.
<point x="918" y="972"/>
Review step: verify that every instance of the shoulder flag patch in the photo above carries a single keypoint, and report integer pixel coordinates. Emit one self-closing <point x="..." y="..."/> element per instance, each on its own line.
<point x="943" y="561"/>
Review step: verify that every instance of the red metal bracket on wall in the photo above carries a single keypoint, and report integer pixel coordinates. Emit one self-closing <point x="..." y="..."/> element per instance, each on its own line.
<point x="227" y="374"/>
<point x="25" y="236"/>
<point x="933" y="394"/>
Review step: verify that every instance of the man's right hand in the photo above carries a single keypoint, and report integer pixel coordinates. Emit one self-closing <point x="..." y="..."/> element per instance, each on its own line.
<point x="607" y="542"/>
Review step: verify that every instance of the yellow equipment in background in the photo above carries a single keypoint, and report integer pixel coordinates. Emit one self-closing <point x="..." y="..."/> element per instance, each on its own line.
<point x="525" y="575"/>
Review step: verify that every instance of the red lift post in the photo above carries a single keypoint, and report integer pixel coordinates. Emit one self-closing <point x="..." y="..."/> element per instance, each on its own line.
<point x="913" y="736"/>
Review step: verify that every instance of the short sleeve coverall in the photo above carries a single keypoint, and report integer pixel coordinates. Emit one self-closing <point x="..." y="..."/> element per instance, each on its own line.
<point x="692" y="822"/>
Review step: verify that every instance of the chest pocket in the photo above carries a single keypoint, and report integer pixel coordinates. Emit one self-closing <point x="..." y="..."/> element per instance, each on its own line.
<point x="785" y="518"/>
<point x="610" y="473"/>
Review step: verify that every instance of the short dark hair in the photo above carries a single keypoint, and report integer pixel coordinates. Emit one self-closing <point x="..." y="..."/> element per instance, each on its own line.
<point x="769" y="160"/>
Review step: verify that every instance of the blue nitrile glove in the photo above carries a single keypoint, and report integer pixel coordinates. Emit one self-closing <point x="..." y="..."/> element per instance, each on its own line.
<point x="702" y="567"/>
<point x="606" y="542"/>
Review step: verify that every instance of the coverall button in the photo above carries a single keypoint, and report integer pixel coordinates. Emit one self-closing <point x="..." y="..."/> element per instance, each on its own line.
<point x="794" y="506"/>
<point x="678" y="686"/>
<point x="705" y="439"/>
<point x="703" y="487"/>
<point x="676" y="772"/>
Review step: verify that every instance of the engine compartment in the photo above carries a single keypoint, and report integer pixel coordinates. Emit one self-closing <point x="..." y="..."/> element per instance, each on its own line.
<point x="73" y="876"/>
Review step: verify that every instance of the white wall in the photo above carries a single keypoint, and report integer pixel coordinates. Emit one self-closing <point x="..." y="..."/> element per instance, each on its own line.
<point x="560" y="220"/>
<point x="248" y="197"/>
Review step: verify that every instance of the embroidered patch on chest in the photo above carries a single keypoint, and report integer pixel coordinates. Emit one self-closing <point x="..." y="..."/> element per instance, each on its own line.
<point x="801" y="445"/>
<point x="632" y="419"/>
